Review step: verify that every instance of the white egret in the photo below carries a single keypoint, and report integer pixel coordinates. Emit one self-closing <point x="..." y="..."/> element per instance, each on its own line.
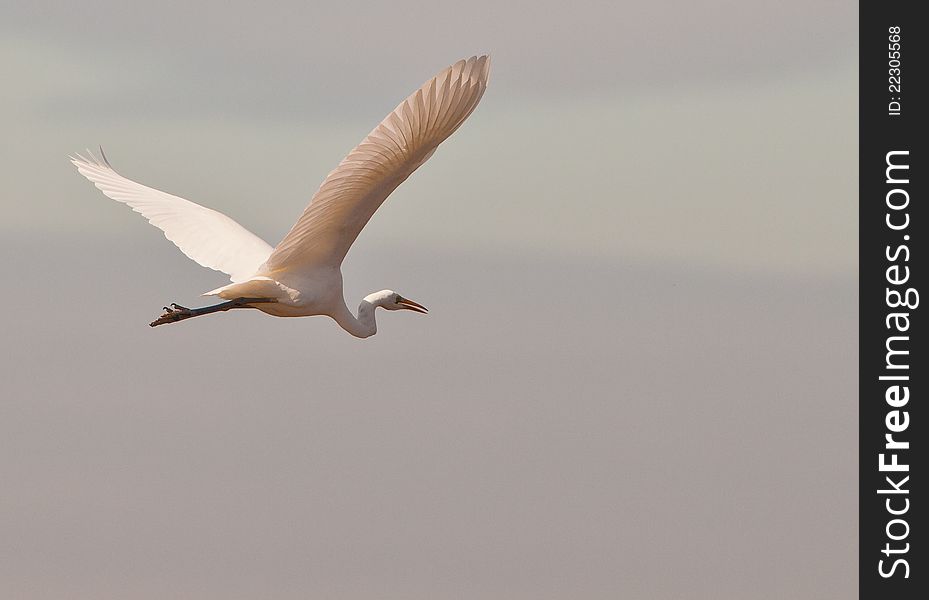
<point x="302" y="276"/>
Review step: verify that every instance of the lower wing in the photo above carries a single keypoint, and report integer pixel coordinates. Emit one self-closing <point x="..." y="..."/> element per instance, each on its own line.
<point x="206" y="236"/>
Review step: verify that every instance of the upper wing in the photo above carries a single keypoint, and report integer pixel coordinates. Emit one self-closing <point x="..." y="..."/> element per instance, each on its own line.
<point x="363" y="180"/>
<point x="208" y="237"/>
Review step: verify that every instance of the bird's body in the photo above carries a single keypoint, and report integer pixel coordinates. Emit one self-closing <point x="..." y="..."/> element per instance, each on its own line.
<point x="302" y="275"/>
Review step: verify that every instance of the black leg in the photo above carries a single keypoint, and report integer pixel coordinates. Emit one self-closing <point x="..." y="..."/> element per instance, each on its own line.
<point x="179" y="313"/>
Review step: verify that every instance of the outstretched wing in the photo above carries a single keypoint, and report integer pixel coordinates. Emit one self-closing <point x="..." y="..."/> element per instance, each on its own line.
<point x="397" y="147"/>
<point x="206" y="236"/>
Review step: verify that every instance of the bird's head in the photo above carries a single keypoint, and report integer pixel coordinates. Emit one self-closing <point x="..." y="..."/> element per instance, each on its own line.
<point x="391" y="300"/>
<point x="394" y="301"/>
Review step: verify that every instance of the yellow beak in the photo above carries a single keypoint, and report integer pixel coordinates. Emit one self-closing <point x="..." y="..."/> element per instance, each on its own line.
<point x="410" y="305"/>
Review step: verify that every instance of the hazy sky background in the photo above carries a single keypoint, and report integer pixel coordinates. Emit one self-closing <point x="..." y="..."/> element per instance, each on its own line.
<point x="638" y="376"/>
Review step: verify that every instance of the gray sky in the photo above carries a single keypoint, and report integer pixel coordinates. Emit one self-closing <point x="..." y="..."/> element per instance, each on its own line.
<point x="638" y="376"/>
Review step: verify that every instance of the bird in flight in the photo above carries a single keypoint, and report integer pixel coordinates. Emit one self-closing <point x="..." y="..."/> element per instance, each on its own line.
<point x="302" y="276"/>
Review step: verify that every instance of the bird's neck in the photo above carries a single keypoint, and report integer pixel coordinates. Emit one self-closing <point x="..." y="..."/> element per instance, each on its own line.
<point x="361" y="326"/>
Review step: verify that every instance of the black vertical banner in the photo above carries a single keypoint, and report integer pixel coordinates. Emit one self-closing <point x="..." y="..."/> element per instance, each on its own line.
<point x="894" y="380"/>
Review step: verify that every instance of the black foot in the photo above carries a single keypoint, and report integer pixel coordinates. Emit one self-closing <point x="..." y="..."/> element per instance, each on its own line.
<point x="172" y="315"/>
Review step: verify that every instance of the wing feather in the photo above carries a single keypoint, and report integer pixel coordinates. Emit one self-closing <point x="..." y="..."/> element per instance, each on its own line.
<point x="206" y="236"/>
<point x="402" y="142"/>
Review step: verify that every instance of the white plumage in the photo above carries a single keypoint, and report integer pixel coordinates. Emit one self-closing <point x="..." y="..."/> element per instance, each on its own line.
<point x="302" y="275"/>
<point x="206" y="236"/>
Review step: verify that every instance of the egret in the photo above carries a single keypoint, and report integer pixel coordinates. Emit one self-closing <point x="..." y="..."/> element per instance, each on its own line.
<point x="302" y="276"/>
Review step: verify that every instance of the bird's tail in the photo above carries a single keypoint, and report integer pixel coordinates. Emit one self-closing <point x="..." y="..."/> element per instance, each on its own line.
<point x="256" y="287"/>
